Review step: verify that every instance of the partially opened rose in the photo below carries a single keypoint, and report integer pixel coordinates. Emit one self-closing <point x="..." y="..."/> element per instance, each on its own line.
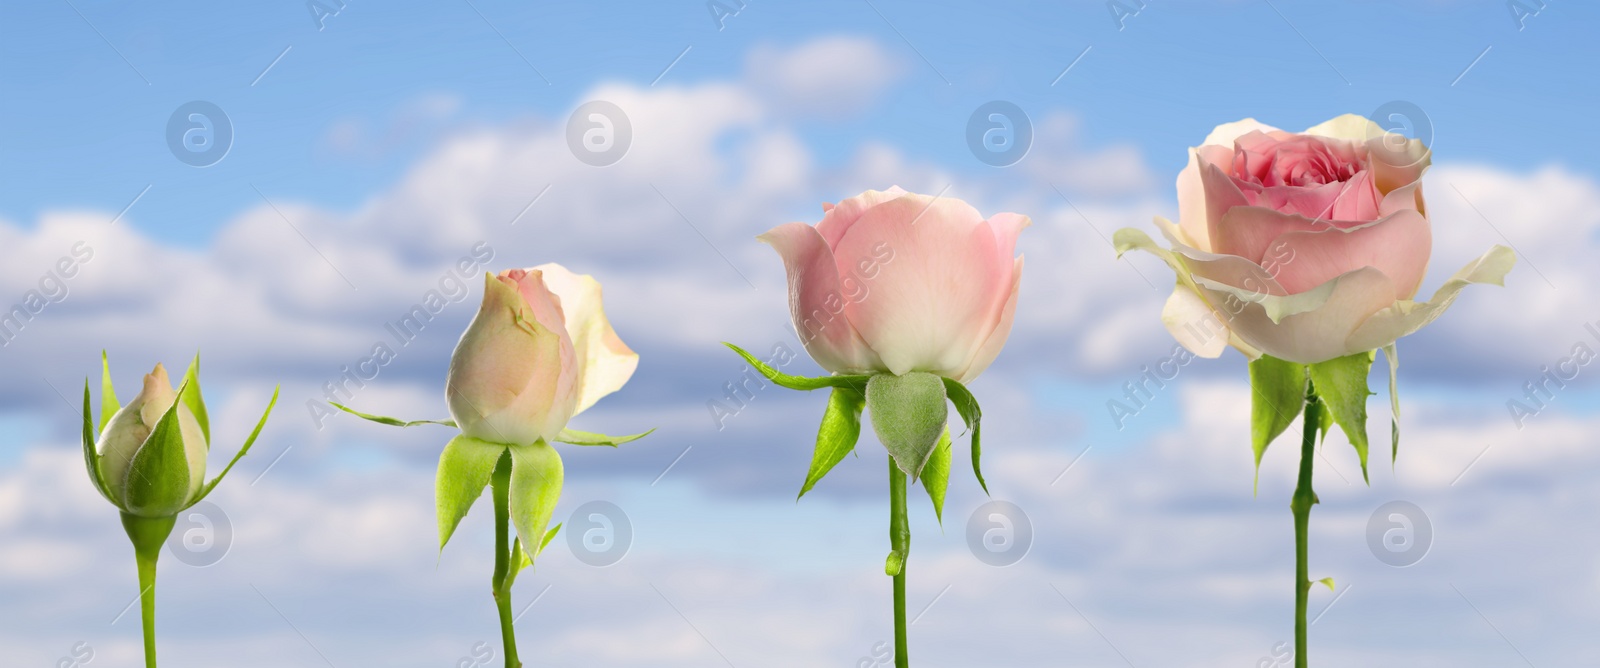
<point x="899" y="282"/>
<point x="1305" y="247"/>
<point x="539" y="352"/>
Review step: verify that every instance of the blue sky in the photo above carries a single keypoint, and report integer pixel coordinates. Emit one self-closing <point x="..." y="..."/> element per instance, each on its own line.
<point x="1148" y="83"/>
<point x="369" y="155"/>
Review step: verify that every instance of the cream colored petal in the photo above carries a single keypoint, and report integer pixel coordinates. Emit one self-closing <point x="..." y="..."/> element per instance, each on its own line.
<point x="1193" y="323"/>
<point x="1250" y="352"/>
<point x="1307" y="328"/>
<point x="606" y="362"/>
<point x="1405" y="317"/>
<point x="1396" y="160"/>
<point x="1224" y="134"/>
<point x="1350" y="127"/>
<point x="1131" y="239"/>
<point x="155" y="397"/>
<point x="1192" y="204"/>
<point x="1318" y="334"/>
<point x="194" y="447"/>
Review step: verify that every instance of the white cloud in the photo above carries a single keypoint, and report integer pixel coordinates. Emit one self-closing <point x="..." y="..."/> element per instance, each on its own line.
<point x="1551" y="216"/>
<point x="1058" y="156"/>
<point x="1159" y="548"/>
<point x="831" y="77"/>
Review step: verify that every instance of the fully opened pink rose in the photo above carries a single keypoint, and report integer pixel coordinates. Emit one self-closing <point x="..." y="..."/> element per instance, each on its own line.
<point x="1306" y="247"/>
<point x="900" y="282"/>
<point x="539" y="352"/>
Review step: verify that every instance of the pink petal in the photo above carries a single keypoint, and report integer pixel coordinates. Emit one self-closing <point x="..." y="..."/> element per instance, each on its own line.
<point x="943" y="288"/>
<point x="1359" y="200"/>
<point x="990" y="349"/>
<point x="1222" y="193"/>
<point x="839" y="217"/>
<point x="1398" y="246"/>
<point x="817" y="300"/>
<point x="1309" y="201"/>
<point x="513" y="375"/>
<point x="1249" y="231"/>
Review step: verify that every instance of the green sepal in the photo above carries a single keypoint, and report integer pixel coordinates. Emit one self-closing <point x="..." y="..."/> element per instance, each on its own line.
<point x="837" y="436"/>
<point x="1277" y="394"/>
<point x="251" y="440"/>
<point x="936" y="475"/>
<point x="548" y="536"/>
<point x="967" y="406"/>
<point x="1325" y="424"/>
<point x="91" y="457"/>
<point x="108" y="396"/>
<point x="576" y="437"/>
<point x="393" y="422"/>
<point x="1393" y="357"/>
<point x="190" y="396"/>
<point x="519" y="560"/>
<point x="1342" y="384"/>
<point x="909" y="414"/>
<point x="158" y="475"/>
<point x="855" y="382"/>
<point x="536" y="477"/>
<point x="519" y="557"/>
<point x="464" y="470"/>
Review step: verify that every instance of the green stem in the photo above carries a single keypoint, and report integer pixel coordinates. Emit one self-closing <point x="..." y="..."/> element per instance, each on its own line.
<point x="500" y="483"/>
<point x="148" y="535"/>
<point x="1301" y="504"/>
<point x="900" y="542"/>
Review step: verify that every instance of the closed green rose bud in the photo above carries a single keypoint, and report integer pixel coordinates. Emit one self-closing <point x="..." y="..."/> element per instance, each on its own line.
<point x="151" y="469"/>
<point x="149" y="459"/>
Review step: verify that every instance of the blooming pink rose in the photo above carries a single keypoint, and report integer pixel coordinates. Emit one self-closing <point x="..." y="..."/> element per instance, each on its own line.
<point x="895" y="281"/>
<point x="1307" y="246"/>
<point x="539" y="351"/>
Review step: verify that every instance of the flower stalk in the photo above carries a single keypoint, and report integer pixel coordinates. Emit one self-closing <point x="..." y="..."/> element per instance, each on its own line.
<point x="148" y="535"/>
<point x="148" y="459"/>
<point x="1304" y="498"/>
<point x="500" y="487"/>
<point x="900" y="544"/>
